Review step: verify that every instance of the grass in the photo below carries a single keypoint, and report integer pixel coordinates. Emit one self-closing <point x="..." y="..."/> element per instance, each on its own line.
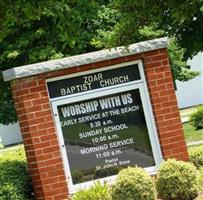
<point x="1" y="146"/>
<point x="7" y="149"/>
<point x="13" y="152"/>
<point x="191" y="134"/>
<point x="186" y="111"/>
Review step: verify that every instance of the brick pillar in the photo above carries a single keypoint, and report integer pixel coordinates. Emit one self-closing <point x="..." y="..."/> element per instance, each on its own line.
<point x="40" y="139"/>
<point x="164" y="104"/>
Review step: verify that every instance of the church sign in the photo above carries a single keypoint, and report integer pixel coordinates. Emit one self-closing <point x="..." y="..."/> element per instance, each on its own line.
<point x="104" y="121"/>
<point x="84" y="118"/>
<point x="92" y="81"/>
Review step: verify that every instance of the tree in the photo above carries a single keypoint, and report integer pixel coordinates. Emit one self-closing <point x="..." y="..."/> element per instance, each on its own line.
<point x="38" y="30"/>
<point x="147" y="19"/>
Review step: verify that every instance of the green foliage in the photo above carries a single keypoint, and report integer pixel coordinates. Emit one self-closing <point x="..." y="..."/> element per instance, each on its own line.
<point x="15" y="183"/>
<point x="177" y="180"/>
<point x="196" y="118"/>
<point x="104" y="24"/>
<point x="34" y="31"/>
<point x="133" y="184"/>
<point x="201" y="179"/>
<point x="40" y="30"/>
<point x="97" y="191"/>
<point x="142" y="20"/>
<point x="7" y="109"/>
<point x="196" y="155"/>
<point x="176" y="18"/>
<point x="179" y="66"/>
<point x="191" y="134"/>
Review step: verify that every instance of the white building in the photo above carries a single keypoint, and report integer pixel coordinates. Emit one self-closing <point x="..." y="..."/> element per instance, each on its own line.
<point x="10" y="134"/>
<point x="190" y="93"/>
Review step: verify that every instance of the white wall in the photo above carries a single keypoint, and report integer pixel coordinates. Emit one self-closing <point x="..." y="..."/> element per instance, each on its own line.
<point x="10" y="134"/>
<point x="190" y="93"/>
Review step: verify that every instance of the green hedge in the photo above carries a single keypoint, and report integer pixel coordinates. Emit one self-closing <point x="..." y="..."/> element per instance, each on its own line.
<point x="133" y="184"/>
<point x="196" y="118"/>
<point x="15" y="183"/>
<point x="177" y="180"/>
<point x="96" y="192"/>
<point x="196" y="155"/>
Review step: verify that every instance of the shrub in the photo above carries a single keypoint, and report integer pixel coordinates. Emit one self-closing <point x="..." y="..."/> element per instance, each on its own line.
<point x="196" y="118"/>
<point x="96" y="192"/>
<point x="133" y="184"/>
<point x="177" y="180"/>
<point x="15" y="183"/>
<point x="196" y="155"/>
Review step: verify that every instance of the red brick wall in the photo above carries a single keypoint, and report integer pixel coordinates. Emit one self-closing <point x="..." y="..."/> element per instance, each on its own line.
<point x="38" y="129"/>
<point x="164" y="104"/>
<point x="40" y="139"/>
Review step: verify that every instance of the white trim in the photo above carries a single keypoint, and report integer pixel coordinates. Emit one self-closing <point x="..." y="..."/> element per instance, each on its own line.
<point x="62" y="145"/>
<point x="151" y="120"/>
<point x="141" y="85"/>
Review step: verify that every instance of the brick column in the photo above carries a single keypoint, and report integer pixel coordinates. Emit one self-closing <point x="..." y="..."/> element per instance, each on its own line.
<point x="40" y="139"/>
<point x="164" y="103"/>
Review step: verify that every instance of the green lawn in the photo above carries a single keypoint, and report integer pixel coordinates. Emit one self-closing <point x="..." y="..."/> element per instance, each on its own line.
<point x="191" y="134"/>
<point x="1" y="146"/>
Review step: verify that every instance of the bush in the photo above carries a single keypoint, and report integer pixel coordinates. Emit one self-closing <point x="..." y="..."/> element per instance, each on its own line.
<point x="96" y="192"/>
<point x="15" y="183"/>
<point x="196" y="118"/>
<point x="133" y="184"/>
<point x="177" y="180"/>
<point x="196" y="155"/>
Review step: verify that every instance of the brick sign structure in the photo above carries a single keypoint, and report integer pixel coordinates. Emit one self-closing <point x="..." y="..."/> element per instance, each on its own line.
<point x="84" y="118"/>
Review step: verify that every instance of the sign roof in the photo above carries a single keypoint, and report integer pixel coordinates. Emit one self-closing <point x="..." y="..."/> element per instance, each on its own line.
<point x="87" y="58"/>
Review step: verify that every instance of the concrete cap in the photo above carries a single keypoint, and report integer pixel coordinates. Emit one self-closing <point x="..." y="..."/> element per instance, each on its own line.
<point x="87" y="58"/>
